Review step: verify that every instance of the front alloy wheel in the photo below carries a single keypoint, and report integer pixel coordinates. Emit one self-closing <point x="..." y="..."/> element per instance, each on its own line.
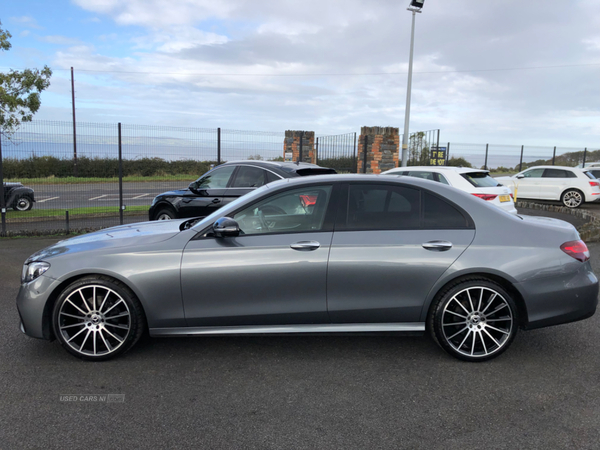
<point x="97" y="318"/>
<point x="474" y="320"/>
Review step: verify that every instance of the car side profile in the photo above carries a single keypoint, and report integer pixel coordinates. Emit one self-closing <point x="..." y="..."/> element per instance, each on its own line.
<point x="326" y="254"/>
<point x="474" y="181"/>
<point x="569" y="185"/>
<point x="223" y="184"/>
<point x="18" y="197"/>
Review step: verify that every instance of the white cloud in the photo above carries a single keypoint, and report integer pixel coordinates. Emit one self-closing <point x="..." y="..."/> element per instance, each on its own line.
<point x="60" y="40"/>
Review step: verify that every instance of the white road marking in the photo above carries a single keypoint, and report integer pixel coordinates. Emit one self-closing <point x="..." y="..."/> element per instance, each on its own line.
<point x="46" y="199"/>
<point x="96" y="198"/>
<point x="139" y="196"/>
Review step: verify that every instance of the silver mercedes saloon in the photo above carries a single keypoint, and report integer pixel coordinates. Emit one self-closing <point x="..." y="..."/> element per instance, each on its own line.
<point x="321" y="254"/>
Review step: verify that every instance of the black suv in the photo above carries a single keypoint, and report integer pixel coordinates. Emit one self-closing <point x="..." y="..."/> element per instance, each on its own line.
<point x="224" y="184"/>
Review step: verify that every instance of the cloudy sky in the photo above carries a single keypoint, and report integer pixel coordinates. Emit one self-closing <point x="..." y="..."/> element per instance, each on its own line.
<point x="497" y="71"/>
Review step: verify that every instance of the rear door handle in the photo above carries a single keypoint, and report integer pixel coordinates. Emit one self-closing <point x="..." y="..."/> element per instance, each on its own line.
<point x="216" y="200"/>
<point x="437" y="246"/>
<point x="305" y="246"/>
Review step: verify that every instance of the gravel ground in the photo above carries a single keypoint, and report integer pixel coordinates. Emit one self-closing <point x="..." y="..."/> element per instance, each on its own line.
<point x="299" y="391"/>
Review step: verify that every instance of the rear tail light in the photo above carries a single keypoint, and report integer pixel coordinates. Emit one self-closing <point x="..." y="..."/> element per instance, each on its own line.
<point x="486" y="196"/>
<point x="594" y="184"/>
<point x="577" y="250"/>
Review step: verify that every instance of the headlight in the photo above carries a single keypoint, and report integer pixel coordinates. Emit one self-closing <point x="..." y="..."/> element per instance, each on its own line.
<point x="33" y="270"/>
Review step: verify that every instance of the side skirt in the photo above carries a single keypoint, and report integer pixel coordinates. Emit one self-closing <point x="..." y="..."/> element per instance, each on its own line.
<point x="291" y="329"/>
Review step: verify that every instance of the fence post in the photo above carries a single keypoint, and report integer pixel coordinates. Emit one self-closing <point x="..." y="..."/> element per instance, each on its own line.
<point x="2" y="199"/>
<point x="521" y="160"/>
<point x="120" y="178"/>
<point x="317" y="152"/>
<point x="68" y="227"/>
<point x="74" y="125"/>
<point x="554" y="155"/>
<point x="437" y="145"/>
<point x="365" y="146"/>
<point x="584" y="156"/>
<point x="218" y="146"/>
<point x="300" y="149"/>
<point x="354" y="156"/>
<point x="448" y="153"/>
<point x="486" y="156"/>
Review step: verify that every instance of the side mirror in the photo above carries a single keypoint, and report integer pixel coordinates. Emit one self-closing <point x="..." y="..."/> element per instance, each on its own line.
<point x="226" y="227"/>
<point x="520" y="176"/>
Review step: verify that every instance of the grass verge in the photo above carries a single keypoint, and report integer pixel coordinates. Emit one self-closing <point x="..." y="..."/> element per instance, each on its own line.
<point x="72" y="212"/>
<point x="76" y="180"/>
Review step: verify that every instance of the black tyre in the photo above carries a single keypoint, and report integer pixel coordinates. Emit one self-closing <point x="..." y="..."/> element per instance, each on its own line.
<point x="23" y="203"/>
<point x="474" y="319"/>
<point x="97" y="318"/>
<point x="165" y="214"/>
<point x="572" y="198"/>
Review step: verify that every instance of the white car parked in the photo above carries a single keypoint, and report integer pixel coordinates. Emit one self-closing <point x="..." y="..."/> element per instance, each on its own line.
<point x="570" y="185"/>
<point x="474" y="181"/>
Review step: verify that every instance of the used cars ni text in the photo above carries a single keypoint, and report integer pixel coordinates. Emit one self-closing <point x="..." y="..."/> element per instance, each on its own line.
<point x="474" y="181"/>
<point x="223" y="184"/>
<point x="341" y="253"/>
<point x="570" y="185"/>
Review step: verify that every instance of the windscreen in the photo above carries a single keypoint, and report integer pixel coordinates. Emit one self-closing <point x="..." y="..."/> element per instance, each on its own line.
<point x="480" y="179"/>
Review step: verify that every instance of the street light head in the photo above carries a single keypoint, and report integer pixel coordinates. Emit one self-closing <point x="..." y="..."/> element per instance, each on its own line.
<point x="417" y="3"/>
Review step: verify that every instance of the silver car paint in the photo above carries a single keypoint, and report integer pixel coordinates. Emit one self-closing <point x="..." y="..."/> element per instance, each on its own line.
<point x="147" y="257"/>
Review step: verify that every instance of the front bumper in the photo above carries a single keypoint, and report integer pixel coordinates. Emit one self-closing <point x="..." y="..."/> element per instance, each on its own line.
<point x="33" y="307"/>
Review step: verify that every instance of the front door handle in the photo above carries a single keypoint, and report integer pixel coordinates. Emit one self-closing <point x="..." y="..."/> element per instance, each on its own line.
<point x="216" y="200"/>
<point x="437" y="246"/>
<point x="305" y="246"/>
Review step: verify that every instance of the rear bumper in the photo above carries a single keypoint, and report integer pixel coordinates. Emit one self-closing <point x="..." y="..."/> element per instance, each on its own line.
<point x="558" y="300"/>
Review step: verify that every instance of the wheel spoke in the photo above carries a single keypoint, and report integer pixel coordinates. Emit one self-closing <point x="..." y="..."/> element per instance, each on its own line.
<point x="465" y="309"/>
<point x="82" y="324"/>
<point x="104" y="301"/>
<point x="482" y="342"/>
<point x="463" y="341"/>
<point x="480" y="300"/>
<point x="118" y="315"/>
<point x="71" y="315"/>
<point x="503" y="319"/>
<point x="94" y="298"/>
<point x="116" y="326"/>
<point x="491" y="337"/>
<point x="473" y="344"/>
<point x="106" y="312"/>
<point x="84" y="301"/>
<point x="107" y="345"/>
<point x="453" y="324"/>
<point x="84" y="340"/>
<point x="77" y="307"/>
<point x="114" y="337"/>
<point x="94" y="339"/>
<point x="76" y="334"/>
<point x="457" y="333"/>
<point x="470" y="301"/>
<point x="497" y="329"/>
<point x="503" y="305"/>
<point x="491" y="300"/>
<point x="456" y="314"/>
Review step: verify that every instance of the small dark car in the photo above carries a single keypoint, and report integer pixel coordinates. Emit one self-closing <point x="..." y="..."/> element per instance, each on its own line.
<point x="225" y="183"/>
<point x="18" y="197"/>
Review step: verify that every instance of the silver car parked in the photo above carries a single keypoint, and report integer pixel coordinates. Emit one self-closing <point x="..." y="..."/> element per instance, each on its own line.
<point x="333" y="253"/>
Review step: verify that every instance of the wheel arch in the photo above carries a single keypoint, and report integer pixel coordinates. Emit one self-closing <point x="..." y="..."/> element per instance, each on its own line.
<point x="47" y="330"/>
<point x="163" y="204"/>
<point x="573" y="188"/>
<point x="501" y="279"/>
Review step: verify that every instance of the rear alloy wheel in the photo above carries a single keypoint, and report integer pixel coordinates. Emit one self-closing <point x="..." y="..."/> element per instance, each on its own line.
<point x="23" y="203"/>
<point x="474" y="320"/>
<point x="572" y="198"/>
<point x="97" y="318"/>
<point x="165" y="214"/>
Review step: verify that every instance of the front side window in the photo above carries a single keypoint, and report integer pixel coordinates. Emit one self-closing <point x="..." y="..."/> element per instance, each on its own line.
<point x="382" y="207"/>
<point x="296" y="211"/>
<point x="216" y="179"/>
<point x="533" y="173"/>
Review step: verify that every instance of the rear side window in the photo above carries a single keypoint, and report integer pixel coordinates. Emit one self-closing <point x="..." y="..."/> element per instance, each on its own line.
<point x="249" y="177"/>
<point x="558" y="173"/>
<point x="591" y="175"/>
<point x="272" y="177"/>
<point x="480" y="179"/>
<point x="383" y="207"/>
<point x="442" y="179"/>
<point x="440" y="214"/>
<point x="421" y="174"/>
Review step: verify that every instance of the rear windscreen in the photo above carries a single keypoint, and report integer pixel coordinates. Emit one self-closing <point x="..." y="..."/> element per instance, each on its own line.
<point x="315" y="171"/>
<point x="480" y="179"/>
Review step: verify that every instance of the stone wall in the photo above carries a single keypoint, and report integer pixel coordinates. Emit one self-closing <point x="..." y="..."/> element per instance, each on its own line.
<point x="382" y="145"/>
<point x="291" y="144"/>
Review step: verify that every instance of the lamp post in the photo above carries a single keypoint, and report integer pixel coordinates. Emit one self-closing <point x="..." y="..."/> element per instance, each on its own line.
<point x="415" y="7"/>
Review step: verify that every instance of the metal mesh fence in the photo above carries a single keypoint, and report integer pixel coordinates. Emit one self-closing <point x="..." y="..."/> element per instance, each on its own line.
<point x="337" y="152"/>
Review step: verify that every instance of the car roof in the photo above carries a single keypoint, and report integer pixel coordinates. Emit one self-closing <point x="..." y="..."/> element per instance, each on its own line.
<point x="442" y="168"/>
<point x="281" y="164"/>
<point x="551" y="167"/>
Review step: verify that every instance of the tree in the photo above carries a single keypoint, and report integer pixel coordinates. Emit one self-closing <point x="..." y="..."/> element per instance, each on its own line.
<point x="418" y="149"/>
<point x="459" y="162"/>
<point x="19" y="91"/>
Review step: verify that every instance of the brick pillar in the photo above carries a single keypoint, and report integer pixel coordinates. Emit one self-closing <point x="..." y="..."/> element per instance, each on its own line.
<point x="291" y="145"/>
<point x="383" y="145"/>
